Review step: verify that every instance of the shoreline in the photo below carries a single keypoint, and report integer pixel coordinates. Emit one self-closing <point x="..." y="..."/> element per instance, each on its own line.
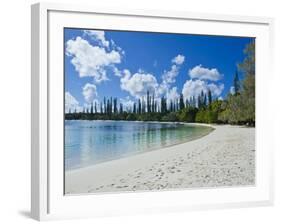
<point x="223" y="157"/>
<point x="161" y="122"/>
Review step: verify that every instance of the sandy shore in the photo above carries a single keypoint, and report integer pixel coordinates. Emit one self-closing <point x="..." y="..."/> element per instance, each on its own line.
<point x="225" y="157"/>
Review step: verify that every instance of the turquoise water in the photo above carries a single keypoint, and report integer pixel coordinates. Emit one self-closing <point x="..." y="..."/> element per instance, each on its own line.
<point x="91" y="142"/>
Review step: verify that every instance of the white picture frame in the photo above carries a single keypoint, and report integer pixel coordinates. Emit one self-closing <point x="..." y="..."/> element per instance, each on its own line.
<point x="47" y="199"/>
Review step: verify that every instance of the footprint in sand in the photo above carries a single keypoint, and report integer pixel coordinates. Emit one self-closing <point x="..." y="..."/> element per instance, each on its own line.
<point x="172" y="168"/>
<point x="124" y="186"/>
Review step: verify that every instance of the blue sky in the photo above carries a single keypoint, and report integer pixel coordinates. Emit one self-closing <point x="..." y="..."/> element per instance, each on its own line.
<point x="126" y="64"/>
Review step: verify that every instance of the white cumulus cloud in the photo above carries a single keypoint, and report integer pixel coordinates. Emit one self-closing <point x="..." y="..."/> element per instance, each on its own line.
<point x="117" y="72"/>
<point x="90" y="60"/>
<point x="195" y="87"/>
<point x="89" y="92"/>
<point x="71" y="104"/>
<point x="139" y="83"/>
<point x="178" y="59"/>
<point x="200" y="72"/>
<point x="97" y="35"/>
<point x="169" y="77"/>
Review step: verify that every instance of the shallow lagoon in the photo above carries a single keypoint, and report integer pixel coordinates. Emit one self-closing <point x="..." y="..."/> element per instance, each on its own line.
<point x="91" y="142"/>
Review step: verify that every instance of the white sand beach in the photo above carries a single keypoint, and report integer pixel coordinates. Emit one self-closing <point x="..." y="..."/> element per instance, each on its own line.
<point x="225" y="157"/>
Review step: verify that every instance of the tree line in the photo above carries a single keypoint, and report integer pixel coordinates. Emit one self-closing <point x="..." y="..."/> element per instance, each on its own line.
<point x="143" y="110"/>
<point x="237" y="108"/>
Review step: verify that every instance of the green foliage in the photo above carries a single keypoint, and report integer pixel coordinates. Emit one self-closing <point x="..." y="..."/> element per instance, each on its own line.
<point x="210" y="113"/>
<point x="223" y="116"/>
<point x="131" y="117"/>
<point x="200" y="116"/>
<point x="149" y="117"/>
<point x="240" y="107"/>
<point x="240" y="110"/>
<point x="187" y="114"/>
<point x="170" y="117"/>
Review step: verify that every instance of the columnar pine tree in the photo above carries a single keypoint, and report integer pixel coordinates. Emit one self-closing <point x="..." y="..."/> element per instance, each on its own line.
<point x="205" y="100"/>
<point x="152" y="105"/>
<point x="92" y="109"/>
<point x="134" y="108"/>
<point x="209" y="97"/>
<point x="163" y="105"/>
<point x="139" y="106"/>
<point x="115" y="106"/>
<point x="186" y="103"/>
<point x="104" y="105"/>
<point x="107" y="106"/>
<point x="101" y="108"/>
<point x="193" y="101"/>
<point x="236" y="83"/>
<point x="111" y="105"/>
<point x="147" y="102"/>
<point x="143" y="106"/>
<point x="202" y="98"/>
<point x="121" y="108"/>
<point x="181" y="106"/>
<point x="96" y="107"/>
<point x="199" y="104"/>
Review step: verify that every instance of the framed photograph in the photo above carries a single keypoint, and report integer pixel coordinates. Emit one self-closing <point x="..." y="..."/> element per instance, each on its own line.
<point x="148" y="111"/>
